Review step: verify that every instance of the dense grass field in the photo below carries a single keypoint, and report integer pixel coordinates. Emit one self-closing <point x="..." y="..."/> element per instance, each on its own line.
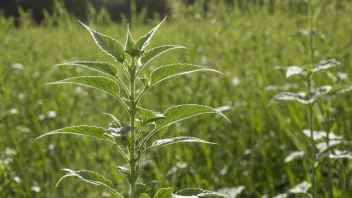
<point x="244" y="44"/>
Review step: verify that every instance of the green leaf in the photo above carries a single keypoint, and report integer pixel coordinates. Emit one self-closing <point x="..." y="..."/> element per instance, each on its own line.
<point x="142" y="188"/>
<point x="292" y="70"/>
<point x="154" y="52"/>
<point x="107" y="44"/>
<point x="197" y="193"/>
<point x="98" y="82"/>
<point x="168" y="71"/>
<point x="103" y="67"/>
<point x="120" y="131"/>
<point x="165" y="142"/>
<point x="337" y="154"/>
<point x="164" y="193"/>
<point x="92" y="178"/>
<point x="85" y="130"/>
<point x="130" y="46"/>
<point x="181" y="112"/>
<point x="143" y="195"/>
<point x="295" y="155"/>
<point x="148" y="116"/>
<point x="143" y="41"/>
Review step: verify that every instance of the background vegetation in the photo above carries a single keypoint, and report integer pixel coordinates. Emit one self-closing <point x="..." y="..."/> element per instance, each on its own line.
<point x="244" y="42"/>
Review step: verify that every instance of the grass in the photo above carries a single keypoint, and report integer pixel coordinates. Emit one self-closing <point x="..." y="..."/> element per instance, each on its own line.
<point x="244" y="44"/>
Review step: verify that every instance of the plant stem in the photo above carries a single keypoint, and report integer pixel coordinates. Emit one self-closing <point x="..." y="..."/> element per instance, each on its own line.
<point x="310" y="107"/>
<point x="133" y="110"/>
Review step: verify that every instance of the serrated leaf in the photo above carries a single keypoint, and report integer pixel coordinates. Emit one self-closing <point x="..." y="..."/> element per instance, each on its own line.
<point x="143" y="195"/>
<point x="103" y="67"/>
<point x="318" y="135"/>
<point x="142" y="188"/>
<point x="326" y="64"/>
<point x="98" y="82"/>
<point x="302" y="187"/>
<point x="123" y="170"/>
<point x="130" y="46"/>
<point x="181" y="112"/>
<point x="92" y="178"/>
<point x="197" y="193"/>
<point x="154" y="52"/>
<point x="107" y="44"/>
<point x="149" y="116"/>
<point x="85" y="130"/>
<point x="165" y="142"/>
<point x="168" y="71"/>
<point x="294" y="155"/>
<point x="164" y="193"/>
<point x="143" y="41"/>
<point x="337" y="154"/>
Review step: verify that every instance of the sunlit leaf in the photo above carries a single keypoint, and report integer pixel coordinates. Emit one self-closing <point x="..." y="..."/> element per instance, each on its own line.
<point x="317" y="135"/>
<point x="302" y="187"/>
<point x="165" y="142"/>
<point x="198" y="193"/>
<point x="294" y="155"/>
<point x="164" y="193"/>
<point x="143" y="41"/>
<point x="85" y="130"/>
<point x="149" y="116"/>
<point x="104" y="67"/>
<point x="181" y="112"/>
<point x="98" y="82"/>
<point x="154" y="52"/>
<point x="232" y="192"/>
<point x="168" y="71"/>
<point x="123" y="170"/>
<point x="117" y="131"/>
<point x="130" y="46"/>
<point x="92" y="178"/>
<point x="107" y="44"/>
<point x="323" y="146"/>
<point x="326" y="64"/>
<point x="337" y="154"/>
<point x="291" y="70"/>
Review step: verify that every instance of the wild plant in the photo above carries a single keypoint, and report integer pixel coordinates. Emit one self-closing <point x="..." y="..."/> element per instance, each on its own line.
<point x="130" y="136"/>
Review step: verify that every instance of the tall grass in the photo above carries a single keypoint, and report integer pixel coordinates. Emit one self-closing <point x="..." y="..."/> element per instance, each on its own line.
<point x="242" y="43"/>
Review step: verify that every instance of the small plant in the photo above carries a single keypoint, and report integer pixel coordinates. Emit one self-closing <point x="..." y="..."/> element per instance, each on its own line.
<point x="130" y="138"/>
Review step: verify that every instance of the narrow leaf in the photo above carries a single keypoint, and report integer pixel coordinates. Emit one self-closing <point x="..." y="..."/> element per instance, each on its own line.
<point x="148" y="116"/>
<point x="143" y="41"/>
<point x="98" y="82"/>
<point x="337" y="154"/>
<point x="130" y="46"/>
<point x="294" y="155"/>
<point x="104" y="67"/>
<point x="107" y="44"/>
<point x="197" y="192"/>
<point x="165" y="142"/>
<point x="181" y="112"/>
<point x="154" y="52"/>
<point x="164" y="193"/>
<point x="92" y="178"/>
<point x="318" y="135"/>
<point x="301" y="188"/>
<point x="142" y="188"/>
<point x="85" y="130"/>
<point x="326" y="64"/>
<point x="168" y="71"/>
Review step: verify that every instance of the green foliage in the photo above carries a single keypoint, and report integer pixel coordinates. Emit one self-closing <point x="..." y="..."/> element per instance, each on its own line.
<point x="127" y="132"/>
<point x="252" y="149"/>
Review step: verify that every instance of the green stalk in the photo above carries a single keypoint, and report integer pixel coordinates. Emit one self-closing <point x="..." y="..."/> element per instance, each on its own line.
<point x="133" y="111"/>
<point x="310" y="106"/>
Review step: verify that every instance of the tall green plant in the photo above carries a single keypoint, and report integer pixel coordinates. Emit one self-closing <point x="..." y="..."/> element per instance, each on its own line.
<point x="129" y="136"/>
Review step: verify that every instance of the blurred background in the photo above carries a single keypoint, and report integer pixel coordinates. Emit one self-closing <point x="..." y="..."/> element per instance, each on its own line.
<point x="244" y="39"/>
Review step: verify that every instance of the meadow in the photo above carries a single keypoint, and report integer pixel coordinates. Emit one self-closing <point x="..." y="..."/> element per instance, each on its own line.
<point x="245" y="44"/>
